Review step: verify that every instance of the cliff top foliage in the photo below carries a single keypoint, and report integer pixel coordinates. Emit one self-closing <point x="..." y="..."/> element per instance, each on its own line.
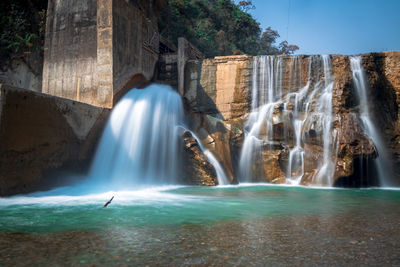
<point x="216" y="27"/>
<point x="220" y="27"/>
<point x="22" y="27"/>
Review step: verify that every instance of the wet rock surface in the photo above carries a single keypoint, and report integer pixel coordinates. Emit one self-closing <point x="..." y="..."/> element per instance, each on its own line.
<point x="197" y="169"/>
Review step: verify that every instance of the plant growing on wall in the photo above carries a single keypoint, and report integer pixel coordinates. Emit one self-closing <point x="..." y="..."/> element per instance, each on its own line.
<point x="22" y="27"/>
<point x="25" y="43"/>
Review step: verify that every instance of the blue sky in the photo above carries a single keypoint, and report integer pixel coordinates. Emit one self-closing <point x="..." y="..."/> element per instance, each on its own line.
<point x="333" y="26"/>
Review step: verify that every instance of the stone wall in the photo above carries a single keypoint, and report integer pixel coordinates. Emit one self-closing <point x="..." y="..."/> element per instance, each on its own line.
<point x="219" y="87"/>
<point x="135" y="42"/>
<point x="104" y="72"/>
<point x="94" y="47"/>
<point x="186" y="51"/>
<point x="20" y="74"/>
<point x="168" y="70"/>
<point x="70" y="56"/>
<point x="44" y="137"/>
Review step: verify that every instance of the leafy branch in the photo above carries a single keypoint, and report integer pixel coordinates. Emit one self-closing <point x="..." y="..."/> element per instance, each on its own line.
<point x="25" y="43"/>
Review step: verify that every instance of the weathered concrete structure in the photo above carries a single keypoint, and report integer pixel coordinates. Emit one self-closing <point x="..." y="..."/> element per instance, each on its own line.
<point x="96" y="48"/>
<point x="95" y="51"/>
<point x="21" y="74"/>
<point x="42" y="137"/>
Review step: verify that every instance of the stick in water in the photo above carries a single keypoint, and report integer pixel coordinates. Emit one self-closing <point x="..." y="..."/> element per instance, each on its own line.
<point x="108" y="202"/>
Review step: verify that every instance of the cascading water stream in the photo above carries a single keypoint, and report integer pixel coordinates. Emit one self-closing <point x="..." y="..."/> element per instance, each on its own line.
<point x="141" y="144"/>
<point x="304" y="108"/>
<point x="267" y="84"/>
<point x="221" y="176"/>
<point x="324" y="107"/>
<point x="382" y="162"/>
<point x="252" y="144"/>
<point x="296" y="154"/>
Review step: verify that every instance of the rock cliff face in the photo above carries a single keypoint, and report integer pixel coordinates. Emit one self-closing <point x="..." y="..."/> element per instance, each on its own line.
<point x="197" y="170"/>
<point x="218" y="96"/>
<point x="43" y="137"/>
<point x="384" y="89"/>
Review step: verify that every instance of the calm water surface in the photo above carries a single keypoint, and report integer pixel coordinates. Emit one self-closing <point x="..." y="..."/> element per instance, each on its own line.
<point x="238" y="225"/>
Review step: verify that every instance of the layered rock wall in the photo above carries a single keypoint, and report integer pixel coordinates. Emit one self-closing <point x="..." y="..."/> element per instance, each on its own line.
<point x="216" y="93"/>
<point x="392" y="74"/>
<point x="220" y="90"/>
<point x="384" y="90"/>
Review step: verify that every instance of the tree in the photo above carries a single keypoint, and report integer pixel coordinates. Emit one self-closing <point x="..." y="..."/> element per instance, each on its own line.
<point x="22" y="28"/>
<point x="217" y="27"/>
<point x="268" y="39"/>
<point x="246" y="5"/>
<point x="286" y="49"/>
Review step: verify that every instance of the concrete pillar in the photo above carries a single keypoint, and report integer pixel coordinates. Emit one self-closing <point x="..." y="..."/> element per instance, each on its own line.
<point x="182" y="58"/>
<point x="94" y="47"/>
<point x="104" y="72"/>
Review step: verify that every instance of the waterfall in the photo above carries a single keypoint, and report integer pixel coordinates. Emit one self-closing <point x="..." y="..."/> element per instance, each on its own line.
<point x="141" y="144"/>
<point x="295" y="168"/>
<point x="279" y="95"/>
<point x="324" y="107"/>
<point x="382" y="162"/>
<point x="266" y="87"/>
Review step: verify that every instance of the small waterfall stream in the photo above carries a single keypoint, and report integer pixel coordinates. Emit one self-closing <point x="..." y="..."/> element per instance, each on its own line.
<point x="324" y="107"/>
<point x="266" y="87"/>
<point x="141" y="144"/>
<point x="382" y="162"/>
<point x="278" y="95"/>
<point x="221" y="176"/>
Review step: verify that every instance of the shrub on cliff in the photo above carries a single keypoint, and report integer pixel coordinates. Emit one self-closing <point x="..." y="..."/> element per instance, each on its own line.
<point x="22" y="27"/>
<point x="219" y="27"/>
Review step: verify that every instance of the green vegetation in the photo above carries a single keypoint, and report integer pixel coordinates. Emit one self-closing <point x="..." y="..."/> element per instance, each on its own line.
<point x="216" y="27"/>
<point x="22" y="27"/>
<point x="220" y="27"/>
